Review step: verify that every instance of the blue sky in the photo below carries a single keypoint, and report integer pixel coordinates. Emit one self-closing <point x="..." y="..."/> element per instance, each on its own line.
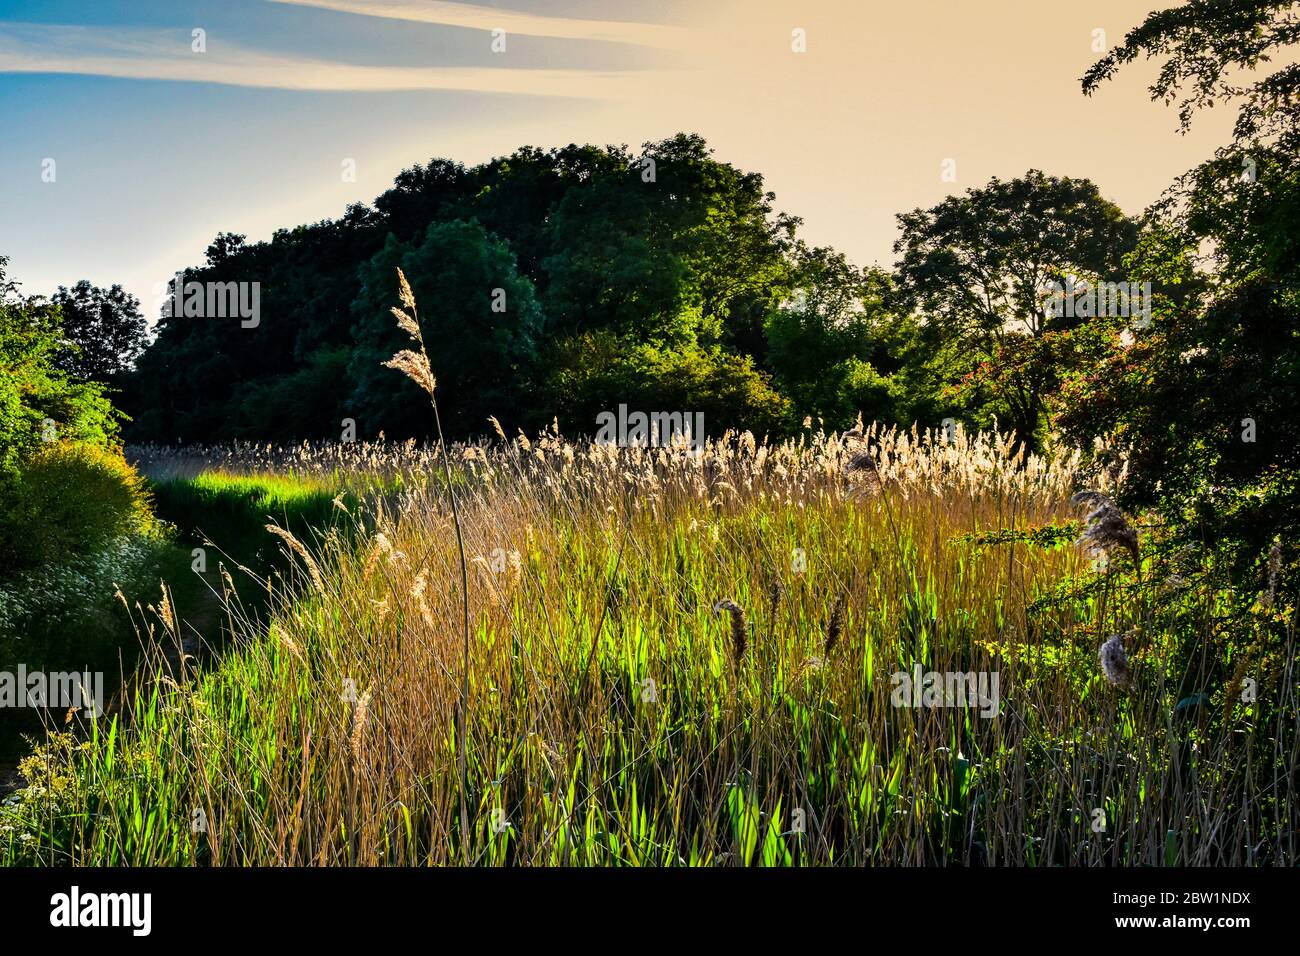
<point x="158" y="148"/>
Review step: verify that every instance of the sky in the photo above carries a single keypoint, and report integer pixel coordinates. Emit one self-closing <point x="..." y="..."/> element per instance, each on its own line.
<point x="160" y="137"/>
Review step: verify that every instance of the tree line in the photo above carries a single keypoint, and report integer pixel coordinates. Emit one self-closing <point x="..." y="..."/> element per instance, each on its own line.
<point x="564" y="282"/>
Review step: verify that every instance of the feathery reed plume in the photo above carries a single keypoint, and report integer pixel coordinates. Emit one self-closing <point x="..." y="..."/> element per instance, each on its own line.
<point x="359" y="714"/>
<point x="405" y="322"/>
<point x="381" y="547"/>
<point x="1107" y="528"/>
<point x="835" y="626"/>
<point x="407" y="296"/>
<point x="496" y="427"/>
<point x="292" y="645"/>
<point x="739" y="627"/>
<point x="1114" y="661"/>
<point x="297" y="547"/>
<point x="418" y="590"/>
<point x="166" y="613"/>
<point x="416" y="366"/>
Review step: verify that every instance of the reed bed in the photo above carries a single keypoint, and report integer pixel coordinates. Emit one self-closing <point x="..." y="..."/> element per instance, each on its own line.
<point x="678" y="656"/>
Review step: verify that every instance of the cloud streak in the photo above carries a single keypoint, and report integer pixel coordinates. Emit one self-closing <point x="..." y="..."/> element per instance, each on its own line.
<point x="469" y="16"/>
<point x="167" y="56"/>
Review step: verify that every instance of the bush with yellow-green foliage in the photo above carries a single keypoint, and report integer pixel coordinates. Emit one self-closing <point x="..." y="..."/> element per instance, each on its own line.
<point x="75" y="520"/>
<point x="68" y="501"/>
<point x="75" y="527"/>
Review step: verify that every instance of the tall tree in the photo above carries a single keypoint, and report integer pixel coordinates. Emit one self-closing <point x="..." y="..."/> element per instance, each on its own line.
<point x="103" y="328"/>
<point x="1211" y="52"/>
<point x="40" y="402"/>
<point x="826" y="342"/>
<point x="480" y="318"/>
<point x="981" y="267"/>
<point x="1204" y="401"/>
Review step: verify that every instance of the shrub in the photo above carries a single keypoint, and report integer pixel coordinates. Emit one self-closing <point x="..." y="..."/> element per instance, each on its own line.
<point x="67" y="502"/>
<point x="598" y="371"/>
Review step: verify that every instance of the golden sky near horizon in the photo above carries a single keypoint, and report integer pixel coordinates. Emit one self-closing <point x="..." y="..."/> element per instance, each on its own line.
<point x="848" y="133"/>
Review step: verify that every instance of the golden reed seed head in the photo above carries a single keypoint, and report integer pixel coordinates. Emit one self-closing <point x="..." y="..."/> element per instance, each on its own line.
<point x="359" y="715"/>
<point x="415" y="366"/>
<point x="166" y="613"/>
<point x="404" y="290"/>
<point x="296" y="546"/>
<point x="406" y="324"/>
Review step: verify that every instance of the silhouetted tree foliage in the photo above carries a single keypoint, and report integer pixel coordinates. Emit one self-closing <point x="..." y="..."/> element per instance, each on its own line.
<point x="662" y="268"/>
<point x="103" y="329"/>
<point x="1205" y="399"/>
<point x="980" y="267"/>
<point x="1206" y="47"/>
<point x="662" y="279"/>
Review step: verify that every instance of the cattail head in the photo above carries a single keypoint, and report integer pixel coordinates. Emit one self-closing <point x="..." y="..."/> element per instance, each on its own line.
<point x="856" y="432"/>
<point x="862" y="461"/>
<point x="739" y="628"/>
<point x="835" y="626"/>
<point x="1114" y="661"/>
<point x="774" y="594"/>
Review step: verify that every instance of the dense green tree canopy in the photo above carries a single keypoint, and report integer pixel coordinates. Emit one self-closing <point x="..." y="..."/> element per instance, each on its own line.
<point x="670" y="258"/>
<point x="103" y="328"/>
<point x="1204" y="401"/>
<point x="40" y="402"/>
<point x="981" y="267"/>
<point x="480" y="320"/>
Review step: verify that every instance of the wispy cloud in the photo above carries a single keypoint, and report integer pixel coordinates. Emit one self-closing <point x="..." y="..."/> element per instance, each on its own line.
<point x="159" y="55"/>
<point x="447" y="13"/>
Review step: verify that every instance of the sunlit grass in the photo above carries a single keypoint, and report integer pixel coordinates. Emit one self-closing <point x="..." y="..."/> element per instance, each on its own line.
<point x="610" y="720"/>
